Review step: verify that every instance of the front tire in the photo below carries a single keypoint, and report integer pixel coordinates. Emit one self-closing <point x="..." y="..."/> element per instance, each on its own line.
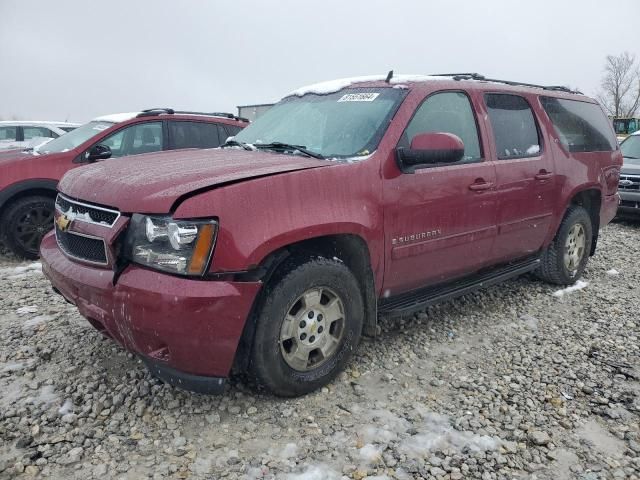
<point x="24" y="223"/>
<point x="565" y="259"/>
<point x="307" y="328"/>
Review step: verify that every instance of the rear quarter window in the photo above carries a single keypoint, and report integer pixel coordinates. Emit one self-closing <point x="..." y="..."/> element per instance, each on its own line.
<point x="580" y="126"/>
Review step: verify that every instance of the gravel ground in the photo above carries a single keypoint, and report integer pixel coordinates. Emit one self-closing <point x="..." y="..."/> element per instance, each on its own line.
<point x="513" y="382"/>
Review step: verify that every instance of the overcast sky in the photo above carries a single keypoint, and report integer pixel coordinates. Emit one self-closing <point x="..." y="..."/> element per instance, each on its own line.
<point x="76" y="59"/>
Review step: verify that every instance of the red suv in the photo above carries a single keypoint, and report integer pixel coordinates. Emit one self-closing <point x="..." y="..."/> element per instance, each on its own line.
<point x="28" y="178"/>
<point x="343" y="202"/>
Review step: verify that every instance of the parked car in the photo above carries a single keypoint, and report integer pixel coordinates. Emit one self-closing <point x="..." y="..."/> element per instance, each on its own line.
<point x="343" y="202"/>
<point x="629" y="185"/>
<point x="20" y="134"/>
<point x="28" y="178"/>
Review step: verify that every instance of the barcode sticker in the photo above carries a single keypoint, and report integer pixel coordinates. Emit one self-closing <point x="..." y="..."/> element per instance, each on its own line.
<point x="358" y="97"/>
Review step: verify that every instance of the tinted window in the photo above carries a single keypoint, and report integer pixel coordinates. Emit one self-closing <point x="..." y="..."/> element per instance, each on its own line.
<point x="136" y="139"/>
<point x="194" y="135"/>
<point x="514" y="126"/>
<point x="448" y="112"/>
<point x="8" y="133"/>
<point x="33" y="132"/>
<point x="581" y="126"/>
<point x="231" y="130"/>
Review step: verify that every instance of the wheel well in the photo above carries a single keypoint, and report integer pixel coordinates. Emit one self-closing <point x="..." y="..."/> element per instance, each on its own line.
<point x="352" y="250"/>
<point x="590" y="200"/>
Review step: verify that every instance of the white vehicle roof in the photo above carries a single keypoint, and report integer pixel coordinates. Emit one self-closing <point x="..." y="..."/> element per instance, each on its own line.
<point x="38" y="123"/>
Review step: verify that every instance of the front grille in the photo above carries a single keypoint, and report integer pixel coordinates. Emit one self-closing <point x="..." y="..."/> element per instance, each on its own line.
<point x="86" y="213"/>
<point x="82" y="247"/>
<point x="629" y="183"/>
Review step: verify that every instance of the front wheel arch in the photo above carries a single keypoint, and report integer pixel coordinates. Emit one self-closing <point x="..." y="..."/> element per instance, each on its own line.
<point x="348" y="248"/>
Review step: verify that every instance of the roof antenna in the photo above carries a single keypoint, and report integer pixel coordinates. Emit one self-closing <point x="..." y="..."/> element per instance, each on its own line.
<point x="389" y="76"/>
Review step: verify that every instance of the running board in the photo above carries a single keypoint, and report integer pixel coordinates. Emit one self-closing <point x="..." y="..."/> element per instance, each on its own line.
<point x="418" y="299"/>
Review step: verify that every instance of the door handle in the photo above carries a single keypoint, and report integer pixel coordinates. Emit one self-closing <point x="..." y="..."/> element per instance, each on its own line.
<point x="543" y="175"/>
<point x="480" y="185"/>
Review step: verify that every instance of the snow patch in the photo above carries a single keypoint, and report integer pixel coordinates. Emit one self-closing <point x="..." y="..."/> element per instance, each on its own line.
<point x="314" y="472"/>
<point x="332" y="86"/>
<point x="579" y="285"/>
<point x="27" y="309"/>
<point x="613" y="272"/>
<point x="35" y="321"/>
<point x="67" y="407"/>
<point x="45" y="396"/>
<point x="116" y="117"/>
<point x="437" y="433"/>
<point x="13" y="367"/>
<point x="370" y="453"/>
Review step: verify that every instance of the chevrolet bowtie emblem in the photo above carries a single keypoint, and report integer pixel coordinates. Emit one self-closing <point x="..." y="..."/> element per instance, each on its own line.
<point x="63" y="223"/>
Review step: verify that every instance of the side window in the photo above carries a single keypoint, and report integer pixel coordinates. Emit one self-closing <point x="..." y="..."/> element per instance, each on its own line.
<point x="193" y="135"/>
<point x="581" y="126"/>
<point x="514" y="126"/>
<point x="8" y="133"/>
<point x="232" y="129"/>
<point x="33" y="132"/>
<point x="139" y="138"/>
<point x="446" y="112"/>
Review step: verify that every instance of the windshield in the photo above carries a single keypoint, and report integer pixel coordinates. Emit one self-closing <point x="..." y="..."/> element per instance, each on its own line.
<point x="625" y="126"/>
<point x="631" y="148"/>
<point x="76" y="137"/>
<point x="347" y="123"/>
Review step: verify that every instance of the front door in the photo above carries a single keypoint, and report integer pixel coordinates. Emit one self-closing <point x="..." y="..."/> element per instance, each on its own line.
<point x="440" y="222"/>
<point x="525" y="178"/>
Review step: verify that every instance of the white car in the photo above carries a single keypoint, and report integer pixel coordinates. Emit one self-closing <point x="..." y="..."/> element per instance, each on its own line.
<point x="22" y="134"/>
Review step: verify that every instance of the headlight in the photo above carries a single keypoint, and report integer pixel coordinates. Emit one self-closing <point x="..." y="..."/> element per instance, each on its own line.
<point x="177" y="246"/>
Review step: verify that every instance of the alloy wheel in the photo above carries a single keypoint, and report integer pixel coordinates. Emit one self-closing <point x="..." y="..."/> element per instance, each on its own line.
<point x="312" y="329"/>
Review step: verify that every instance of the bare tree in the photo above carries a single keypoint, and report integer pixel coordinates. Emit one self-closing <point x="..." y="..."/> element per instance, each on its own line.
<point x="620" y="86"/>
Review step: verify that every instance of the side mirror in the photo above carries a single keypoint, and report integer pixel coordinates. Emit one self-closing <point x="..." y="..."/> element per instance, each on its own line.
<point x="97" y="152"/>
<point x="430" y="149"/>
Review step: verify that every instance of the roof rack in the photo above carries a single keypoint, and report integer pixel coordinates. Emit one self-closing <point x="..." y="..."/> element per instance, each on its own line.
<point x="170" y="111"/>
<point x="477" y="76"/>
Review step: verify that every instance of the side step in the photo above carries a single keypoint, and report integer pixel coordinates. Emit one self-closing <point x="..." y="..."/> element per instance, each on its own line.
<point x="423" y="297"/>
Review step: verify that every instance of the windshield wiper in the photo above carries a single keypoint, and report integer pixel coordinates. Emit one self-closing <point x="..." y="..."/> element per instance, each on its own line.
<point x="287" y="146"/>
<point x="235" y="143"/>
<point x="629" y="156"/>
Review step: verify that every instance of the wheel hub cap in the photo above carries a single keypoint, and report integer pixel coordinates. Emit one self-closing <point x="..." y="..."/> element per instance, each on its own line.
<point x="312" y="329"/>
<point x="574" y="248"/>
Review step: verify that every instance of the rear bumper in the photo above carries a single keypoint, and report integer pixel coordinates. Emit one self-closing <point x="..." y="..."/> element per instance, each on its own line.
<point x="187" y="331"/>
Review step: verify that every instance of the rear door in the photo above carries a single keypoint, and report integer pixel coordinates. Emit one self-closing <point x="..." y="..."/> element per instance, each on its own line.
<point x="440" y="221"/>
<point x="524" y="174"/>
<point x="190" y="134"/>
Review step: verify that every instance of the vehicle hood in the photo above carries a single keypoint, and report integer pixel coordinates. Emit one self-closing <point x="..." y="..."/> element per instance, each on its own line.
<point x="152" y="183"/>
<point x="631" y="166"/>
<point x="18" y="155"/>
<point x="11" y="154"/>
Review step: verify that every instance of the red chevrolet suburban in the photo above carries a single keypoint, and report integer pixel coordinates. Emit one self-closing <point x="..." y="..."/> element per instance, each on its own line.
<point x="28" y="177"/>
<point x="345" y="201"/>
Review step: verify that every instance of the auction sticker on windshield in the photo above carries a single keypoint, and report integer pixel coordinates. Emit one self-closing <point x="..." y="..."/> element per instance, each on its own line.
<point x="358" y="97"/>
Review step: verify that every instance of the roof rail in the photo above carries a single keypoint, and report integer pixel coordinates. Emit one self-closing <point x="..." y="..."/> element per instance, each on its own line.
<point x="170" y="111"/>
<point x="477" y="76"/>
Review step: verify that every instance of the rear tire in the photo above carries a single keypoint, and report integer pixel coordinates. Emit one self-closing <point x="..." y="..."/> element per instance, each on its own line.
<point x="24" y="222"/>
<point x="307" y="327"/>
<point x="564" y="260"/>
